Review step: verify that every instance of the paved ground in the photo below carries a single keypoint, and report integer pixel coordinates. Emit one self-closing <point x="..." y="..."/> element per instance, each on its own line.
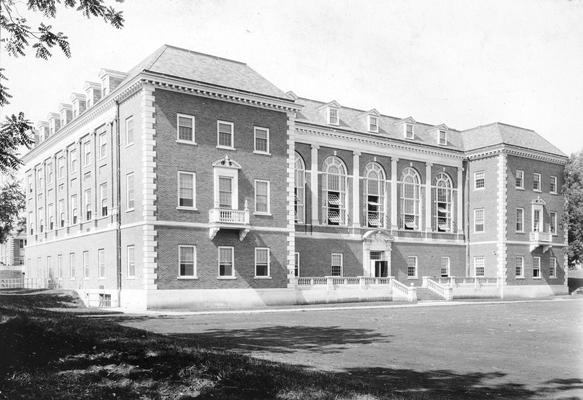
<point x="505" y="350"/>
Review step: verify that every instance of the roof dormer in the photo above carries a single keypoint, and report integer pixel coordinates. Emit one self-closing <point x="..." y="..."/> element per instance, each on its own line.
<point x="373" y="118"/>
<point x="78" y="101"/>
<point x="408" y="127"/>
<point x="92" y="92"/>
<point x="441" y="134"/>
<point x="331" y="112"/>
<point x="54" y="123"/>
<point x="43" y="131"/>
<point x="292" y="95"/>
<point x="110" y="80"/>
<point x="66" y="112"/>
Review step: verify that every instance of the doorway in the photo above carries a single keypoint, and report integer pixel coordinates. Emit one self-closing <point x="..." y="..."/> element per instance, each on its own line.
<point x="379" y="265"/>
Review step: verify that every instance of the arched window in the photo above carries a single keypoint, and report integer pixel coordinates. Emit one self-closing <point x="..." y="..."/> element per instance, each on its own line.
<point x="410" y="199"/>
<point x="442" y="200"/>
<point x="300" y="189"/>
<point x="334" y="191"/>
<point x="375" y="195"/>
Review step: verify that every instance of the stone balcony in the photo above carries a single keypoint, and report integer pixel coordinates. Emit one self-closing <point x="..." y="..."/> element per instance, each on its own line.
<point x="225" y="218"/>
<point x="544" y="239"/>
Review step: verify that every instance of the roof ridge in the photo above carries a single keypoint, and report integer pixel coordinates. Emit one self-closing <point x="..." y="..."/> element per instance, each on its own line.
<point x="514" y="126"/>
<point x="204" y="54"/>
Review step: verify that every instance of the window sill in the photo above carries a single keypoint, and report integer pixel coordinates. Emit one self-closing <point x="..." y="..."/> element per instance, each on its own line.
<point x="130" y="210"/>
<point x="537" y="190"/>
<point x="521" y="232"/>
<point x="537" y="278"/>
<point x="186" y="142"/>
<point x="262" y="277"/>
<point x="187" y="278"/>
<point x="262" y="214"/>
<point x="129" y="145"/>
<point x="478" y="189"/>
<point x="187" y="208"/>
<point x="226" y="277"/>
<point x="412" y="277"/>
<point x="553" y="193"/>
<point x="261" y="153"/>
<point x="225" y="148"/>
<point x="519" y="188"/>
<point x="519" y="278"/>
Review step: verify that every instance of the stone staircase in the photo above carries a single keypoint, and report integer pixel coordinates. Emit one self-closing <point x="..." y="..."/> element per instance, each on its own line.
<point x="425" y="294"/>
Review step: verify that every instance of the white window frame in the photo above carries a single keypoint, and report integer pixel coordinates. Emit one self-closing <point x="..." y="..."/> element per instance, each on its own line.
<point x="133" y="191"/>
<point x="86" y="270"/>
<point x="60" y="266"/>
<point x="72" y="266"/>
<point x="342" y="190"/>
<point x="479" y="262"/>
<point x="406" y="133"/>
<point x="441" y="267"/>
<point x="416" y="265"/>
<point x="103" y="199"/>
<point x="193" y="120"/>
<point x="194" y="270"/>
<point x="232" y="125"/>
<point x="129" y="120"/>
<point x="255" y="150"/>
<point x="297" y="264"/>
<point x="337" y="119"/>
<point x="516" y="265"/>
<point x="442" y="137"/>
<point x="101" y="263"/>
<point x="178" y="206"/>
<point x="61" y="167"/>
<point x="268" y="212"/>
<point x="102" y="145"/>
<point x="88" y="205"/>
<point x="373" y="127"/>
<point x="73" y="161"/>
<point x="341" y="256"/>
<point x="519" y="175"/>
<point x="553" y="267"/>
<point x="553" y="222"/>
<point x="476" y="210"/>
<point x="299" y="189"/>
<point x="131" y="261"/>
<point x="536" y="266"/>
<point x="555" y="182"/>
<point x="521" y="220"/>
<point x="232" y="276"/>
<point x="536" y="177"/>
<point x="268" y="276"/>
<point x="87" y="154"/>
<point x="479" y="175"/>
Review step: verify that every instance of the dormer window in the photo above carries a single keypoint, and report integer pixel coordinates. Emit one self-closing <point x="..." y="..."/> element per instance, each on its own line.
<point x="409" y="131"/>
<point x="373" y="123"/>
<point x="442" y="137"/>
<point x="333" y="116"/>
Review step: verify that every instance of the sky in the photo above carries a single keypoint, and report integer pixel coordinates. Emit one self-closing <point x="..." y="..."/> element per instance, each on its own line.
<point x="463" y="63"/>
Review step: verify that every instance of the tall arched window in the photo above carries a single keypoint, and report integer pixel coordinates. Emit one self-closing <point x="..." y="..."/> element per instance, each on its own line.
<point x="442" y="201"/>
<point x="334" y="191"/>
<point x="410" y="199"/>
<point x="300" y="189"/>
<point x="375" y="195"/>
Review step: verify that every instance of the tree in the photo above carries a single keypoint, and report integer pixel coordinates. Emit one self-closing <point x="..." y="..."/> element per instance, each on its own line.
<point x="12" y="203"/>
<point x="573" y="190"/>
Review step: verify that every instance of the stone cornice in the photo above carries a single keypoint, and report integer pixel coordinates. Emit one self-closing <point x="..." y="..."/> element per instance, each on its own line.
<point x="516" y="151"/>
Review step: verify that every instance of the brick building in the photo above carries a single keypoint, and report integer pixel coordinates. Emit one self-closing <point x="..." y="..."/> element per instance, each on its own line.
<point x="192" y="180"/>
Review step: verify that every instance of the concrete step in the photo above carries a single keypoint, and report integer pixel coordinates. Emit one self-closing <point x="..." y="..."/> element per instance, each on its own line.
<point x="427" y="294"/>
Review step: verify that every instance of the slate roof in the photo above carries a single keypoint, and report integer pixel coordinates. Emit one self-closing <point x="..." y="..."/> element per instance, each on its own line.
<point x="313" y="112"/>
<point x="200" y="67"/>
<point x="498" y="132"/>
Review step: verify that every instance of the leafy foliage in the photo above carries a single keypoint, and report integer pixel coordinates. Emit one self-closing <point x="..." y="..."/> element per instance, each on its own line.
<point x="573" y="190"/>
<point x="14" y="134"/>
<point x="12" y="203"/>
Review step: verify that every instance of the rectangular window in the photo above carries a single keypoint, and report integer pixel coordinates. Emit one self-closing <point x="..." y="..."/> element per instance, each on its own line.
<point x="553" y="227"/>
<point x="225" y="192"/>
<point x="50" y="268"/>
<point x="261" y="140"/>
<point x="336" y="264"/>
<point x="412" y="267"/>
<point x="73" y="161"/>
<point x="102" y="145"/>
<point x="185" y="131"/>
<point x="61" y="167"/>
<point x="520" y="220"/>
<point x="519" y="179"/>
<point x="225" y="134"/>
<point x="187" y="261"/>
<point x="552" y="267"/>
<point x="479" y="180"/>
<point x="479" y="266"/>
<point x="226" y="267"/>
<point x="537" y="225"/>
<point x="262" y="197"/>
<point x="519" y="267"/>
<point x="51" y="211"/>
<point x="86" y="153"/>
<point x="479" y="220"/>
<point x="88" y="209"/>
<point x="333" y="116"/>
<point x="444" y="267"/>
<point x="130" y="201"/>
<point x="101" y="263"/>
<point x="536" y="178"/>
<point x="103" y="198"/>
<point x="60" y="266"/>
<point x="296" y="264"/>
<point x="261" y="262"/>
<point x="86" y="265"/>
<point x="186" y="189"/>
<point x="62" y="213"/>
<point x="409" y="131"/>
<point x="442" y="138"/>
<point x="74" y="209"/>
<point x="553" y="189"/>
<point x="373" y="123"/>
<point x="536" y="267"/>
<point x="131" y="261"/>
<point x="49" y="173"/>
<point x="129" y="131"/>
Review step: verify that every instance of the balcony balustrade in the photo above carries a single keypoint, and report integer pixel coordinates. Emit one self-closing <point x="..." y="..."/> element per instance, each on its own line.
<point x="544" y="239"/>
<point x="225" y="218"/>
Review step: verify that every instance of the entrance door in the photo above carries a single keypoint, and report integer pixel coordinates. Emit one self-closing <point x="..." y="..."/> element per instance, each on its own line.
<point x="378" y="264"/>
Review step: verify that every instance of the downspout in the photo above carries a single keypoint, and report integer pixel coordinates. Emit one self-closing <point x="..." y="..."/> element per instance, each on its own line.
<point x="117" y="189"/>
<point x="466" y="202"/>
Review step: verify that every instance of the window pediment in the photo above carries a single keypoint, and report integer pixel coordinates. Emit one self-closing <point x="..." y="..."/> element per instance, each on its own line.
<point x="226" y="162"/>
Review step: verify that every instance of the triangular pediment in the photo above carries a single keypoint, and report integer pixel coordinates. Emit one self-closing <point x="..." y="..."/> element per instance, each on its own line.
<point x="226" y="162"/>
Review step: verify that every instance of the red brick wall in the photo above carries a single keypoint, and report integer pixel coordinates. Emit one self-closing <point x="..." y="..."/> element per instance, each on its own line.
<point x="315" y="256"/>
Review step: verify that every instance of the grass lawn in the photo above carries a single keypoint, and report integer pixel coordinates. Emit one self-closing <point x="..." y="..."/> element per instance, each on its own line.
<point x="415" y="353"/>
